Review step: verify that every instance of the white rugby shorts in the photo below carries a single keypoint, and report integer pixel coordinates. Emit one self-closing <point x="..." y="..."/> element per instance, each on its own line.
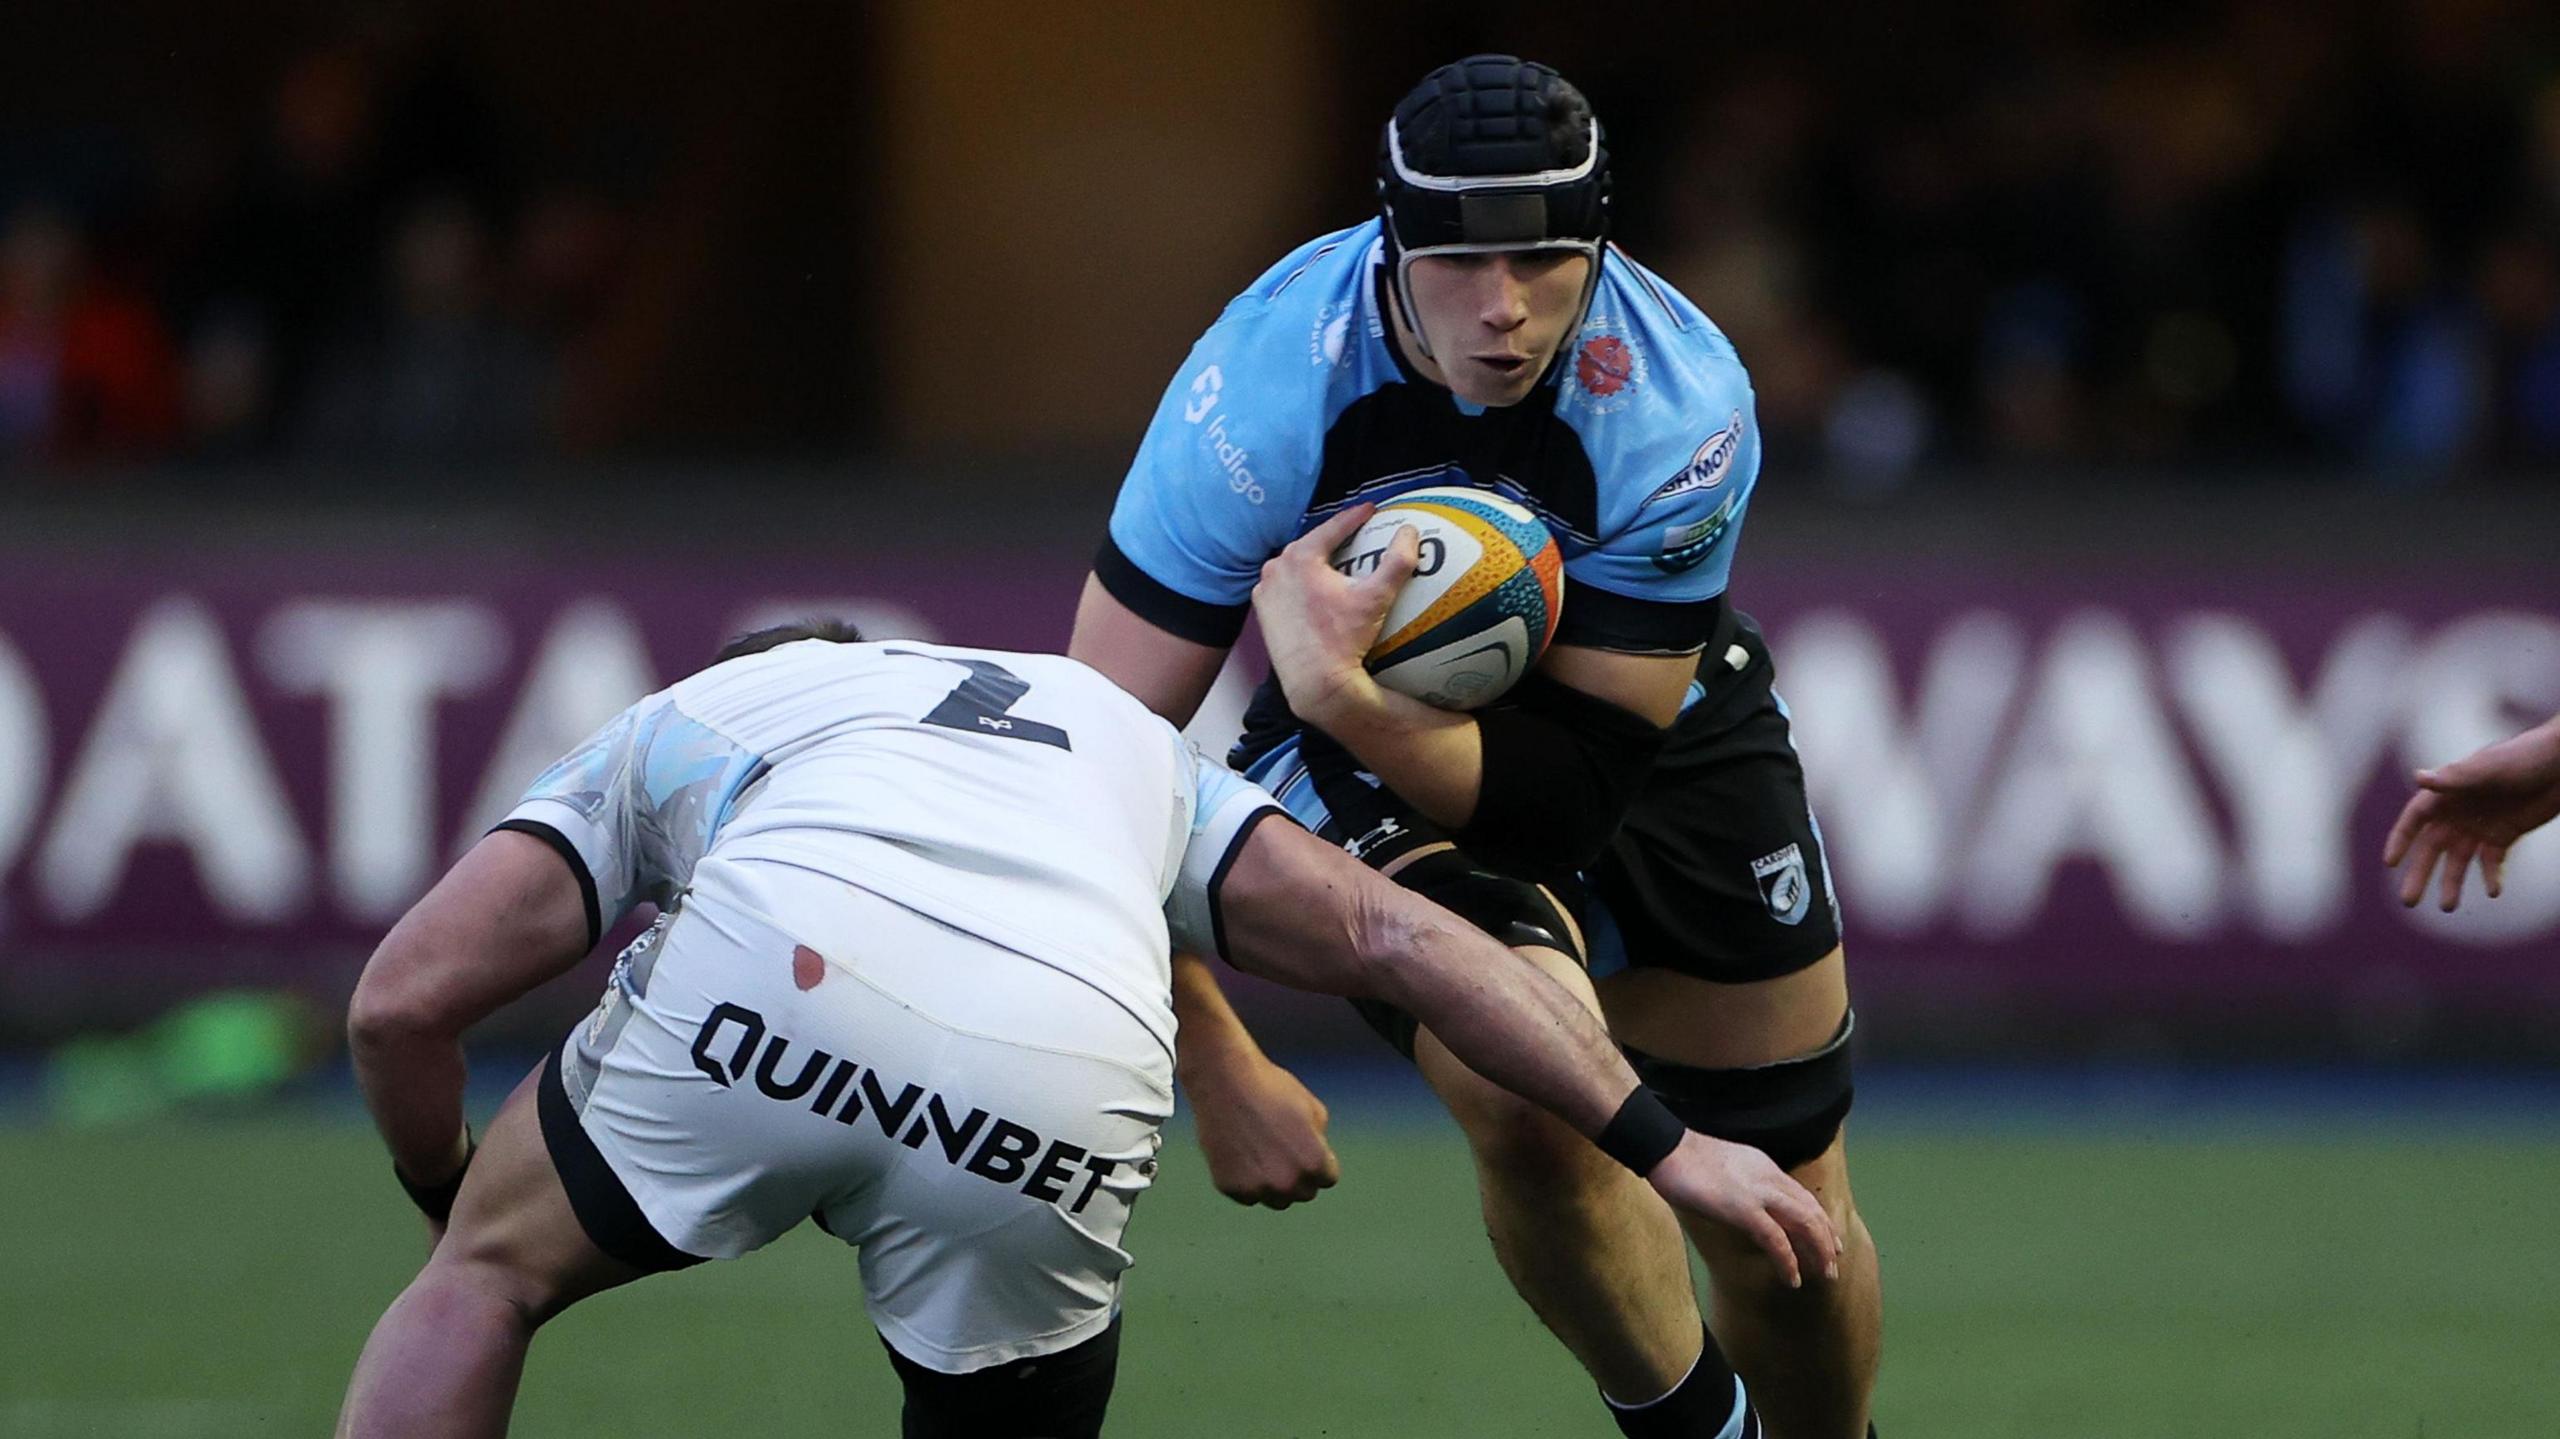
<point x="975" y="1123"/>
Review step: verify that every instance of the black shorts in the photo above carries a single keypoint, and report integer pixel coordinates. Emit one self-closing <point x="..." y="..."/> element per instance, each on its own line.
<point x="1718" y="870"/>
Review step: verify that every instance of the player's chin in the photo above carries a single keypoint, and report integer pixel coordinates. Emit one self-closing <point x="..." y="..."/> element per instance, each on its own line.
<point x="1499" y="385"/>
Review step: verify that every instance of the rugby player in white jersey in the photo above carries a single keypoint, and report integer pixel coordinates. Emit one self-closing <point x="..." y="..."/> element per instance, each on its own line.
<point x="911" y="979"/>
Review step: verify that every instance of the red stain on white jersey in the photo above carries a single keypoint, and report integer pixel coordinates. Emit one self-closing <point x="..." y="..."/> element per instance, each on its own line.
<point x="807" y="967"/>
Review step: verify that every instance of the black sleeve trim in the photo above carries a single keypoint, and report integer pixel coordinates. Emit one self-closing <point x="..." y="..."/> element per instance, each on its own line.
<point x="1227" y="861"/>
<point x="1595" y="618"/>
<point x="1166" y="608"/>
<point x="577" y="865"/>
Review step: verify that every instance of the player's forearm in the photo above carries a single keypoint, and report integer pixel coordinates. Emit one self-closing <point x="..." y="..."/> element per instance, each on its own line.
<point x="412" y="1082"/>
<point x="508" y="916"/>
<point x="1299" y="911"/>
<point x="1213" y="1038"/>
<point x="1500" y="1016"/>
<point x="1432" y="758"/>
<point x="2546" y="740"/>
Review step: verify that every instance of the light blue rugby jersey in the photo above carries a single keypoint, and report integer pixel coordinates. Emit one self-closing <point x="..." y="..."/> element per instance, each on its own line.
<point x="1638" y="450"/>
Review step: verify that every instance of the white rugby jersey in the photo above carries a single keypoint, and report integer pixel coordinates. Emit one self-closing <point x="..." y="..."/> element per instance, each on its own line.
<point x="1021" y="798"/>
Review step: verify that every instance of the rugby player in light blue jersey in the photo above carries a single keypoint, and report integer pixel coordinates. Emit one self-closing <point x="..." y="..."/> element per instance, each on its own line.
<point x="1632" y="814"/>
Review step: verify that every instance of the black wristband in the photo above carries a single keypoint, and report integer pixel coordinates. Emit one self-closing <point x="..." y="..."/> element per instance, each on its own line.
<point x="436" y="1200"/>
<point x="1642" y="1133"/>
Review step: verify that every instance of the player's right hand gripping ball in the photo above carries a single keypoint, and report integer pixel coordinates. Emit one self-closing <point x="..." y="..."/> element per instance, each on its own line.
<point x="1482" y="602"/>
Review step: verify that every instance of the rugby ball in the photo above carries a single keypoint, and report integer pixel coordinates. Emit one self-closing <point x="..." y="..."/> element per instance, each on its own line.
<point x="1482" y="602"/>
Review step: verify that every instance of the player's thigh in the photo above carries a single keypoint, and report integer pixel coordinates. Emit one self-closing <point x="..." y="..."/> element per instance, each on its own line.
<point x="512" y="1226"/>
<point x="1061" y="1395"/>
<point x="1716" y="943"/>
<point x="1750" y="1065"/>
<point x="1713" y="929"/>
<point x="1715" y="940"/>
<point x="1700" y="1022"/>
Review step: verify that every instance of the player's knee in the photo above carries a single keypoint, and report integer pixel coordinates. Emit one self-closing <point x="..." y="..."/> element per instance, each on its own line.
<point x="1826" y="1176"/>
<point x="1743" y="1274"/>
<point x="1791" y="1111"/>
<point x="466" y="1289"/>
<point x="1520" y="914"/>
<point x="1526" y="1147"/>
<point x="510" y="1267"/>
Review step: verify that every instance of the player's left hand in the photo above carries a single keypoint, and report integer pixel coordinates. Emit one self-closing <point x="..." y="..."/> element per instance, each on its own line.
<point x="1262" y="1130"/>
<point x="1743" y="1189"/>
<point x="1318" y="623"/>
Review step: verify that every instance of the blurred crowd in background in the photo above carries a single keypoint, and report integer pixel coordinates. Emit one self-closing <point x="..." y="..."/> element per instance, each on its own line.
<point x="2248" y="236"/>
<point x="370" y="273"/>
<point x="2257" y="233"/>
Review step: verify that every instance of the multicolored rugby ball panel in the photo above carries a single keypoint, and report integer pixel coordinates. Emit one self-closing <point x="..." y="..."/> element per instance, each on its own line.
<point x="1482" y="602"/>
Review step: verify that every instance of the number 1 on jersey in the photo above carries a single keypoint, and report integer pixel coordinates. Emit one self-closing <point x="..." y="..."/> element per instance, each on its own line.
<point x="982" y="703"/>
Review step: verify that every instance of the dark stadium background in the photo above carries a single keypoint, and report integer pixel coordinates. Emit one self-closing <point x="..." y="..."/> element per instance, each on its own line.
<point x="2162" y="408"/>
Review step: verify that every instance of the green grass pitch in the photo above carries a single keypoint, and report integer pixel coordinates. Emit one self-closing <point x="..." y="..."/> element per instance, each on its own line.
<point x="217" y="1279"/>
